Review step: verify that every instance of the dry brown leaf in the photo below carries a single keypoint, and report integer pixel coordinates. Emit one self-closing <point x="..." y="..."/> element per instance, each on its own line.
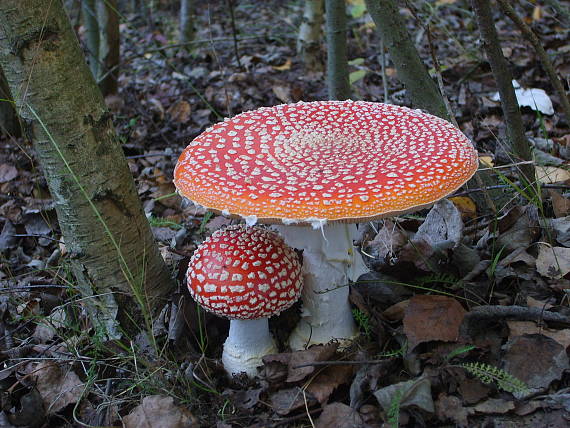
<point x="159" y="411"/>
<point x="551" y="174"/>
<point x="520" y="328"/>
<point x="283" y="67"/>
<point x="449" y="407"/>
<point x="494" y="406"/>
<point x="58" y="385"/>
<point x="553" y="262"/>
<point x="430" y="318"/>
<point x="338" y="415"/>
<point x="328" y="380"/>
<point x="7" y="172"/>
<point x="283" y="93"/>
<point x="560" y="204"/>
<point x="180" y="111"/>
<point x="466" y="206"/>
<point x="396" y="312"/>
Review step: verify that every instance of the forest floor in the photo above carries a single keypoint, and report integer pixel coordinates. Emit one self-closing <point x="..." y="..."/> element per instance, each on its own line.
<point x="468" y="326"/>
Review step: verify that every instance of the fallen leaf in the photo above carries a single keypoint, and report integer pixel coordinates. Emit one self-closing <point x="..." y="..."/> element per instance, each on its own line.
<point x="520" y="328"/>
<point x="328" y="380"/>
<point x="560" y="204"/>
<point x="561" y="228"/>
<point x="7" y="172"/>
<point x="442" y="224"/>
<point x="486" y="161"/>
<point x="412" y="393"/>
<point x="548" y="362"/>
<point x="283" y="93"/>
<point x="58" y="385"/>
<point x="449" y="407"/>
<point x="494" y="406"/>
<point x="338" y="415"/>
<point x="288" y="400"/>
<point x="430" y="318"/>
<point x="159" y="411"/>
<point x="283" y="67"/>
<point x="387" y="242"/>
<point x="551" y="174"/>
<point x="466" y="206"/>
<point x="553" y="262"/>
<point x="180" y="111"/>
<point x="534" y="98"/>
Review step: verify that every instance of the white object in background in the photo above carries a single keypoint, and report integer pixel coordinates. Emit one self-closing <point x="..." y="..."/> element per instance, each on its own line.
<point x="534" y="98"/>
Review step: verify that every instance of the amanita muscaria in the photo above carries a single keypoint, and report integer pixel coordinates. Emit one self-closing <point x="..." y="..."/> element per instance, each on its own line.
<point x="247" y="274"/>
<point x="325" y="164"/>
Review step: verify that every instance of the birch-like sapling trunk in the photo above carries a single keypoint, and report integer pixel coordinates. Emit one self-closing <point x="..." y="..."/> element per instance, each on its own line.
<point x="310" y="34"/>
<point x="187" y="30"/>
<point x="112" y="252"/>
<point x="337" y="58"/>
<point x="89" y="13"/>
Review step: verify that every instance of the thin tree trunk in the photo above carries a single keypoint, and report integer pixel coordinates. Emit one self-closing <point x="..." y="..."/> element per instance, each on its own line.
<point x="9" y="123"/>
<point x="337" y="57"/>
<point x="310" y="33"/>
<point x="187" y="30"/>
<point x="412" y="73"/>
<point x="546" y="63"/>
<point x="89" y="10"/>
<point x="503" y="76"/>
<point x="113" y="255"/>
<point x="109" y="46"/>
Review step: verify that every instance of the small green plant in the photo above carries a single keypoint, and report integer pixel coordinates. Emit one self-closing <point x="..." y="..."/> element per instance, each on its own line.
<point x="488" y="374"/>
<point x="163" y="222"/>
<point x="205" y="220"/>
<point x="394" y="410"/>
<point x="459" y="351"/>
<point x="363" y="322"/>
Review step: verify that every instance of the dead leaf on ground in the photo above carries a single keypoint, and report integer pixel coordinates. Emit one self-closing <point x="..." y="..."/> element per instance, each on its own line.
<point x="553" y="262"/>
<point x="449" y="407"/>
<point x="561" y="228"/>
<point x="180" y="111"/>
<point x="560" y="204"/>
<point x="415" y="392"/>
<point x="548" y="362"/>
<point x="328" y="380"/>
<point x="286" y="362"/>
<point x="7" y="172"/>
<point x="159" y="411"/>
<point x="58" y="385"/>
<point x="551" y="174"/>
<point x="430" y="318"/>
<point x="520" y="328"/>
<point x="388" y="241"/>
<point x="288" y="400"/>
<point x="338" y="415"/>
<point x="494" y="406"/>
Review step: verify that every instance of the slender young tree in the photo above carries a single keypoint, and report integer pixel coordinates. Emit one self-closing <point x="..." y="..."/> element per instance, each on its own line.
<point x="391" y="28"/>
<point x="113" y="254"/>
<point x="89" y="12"/>
<point x="503" y="76"/>
<point x="187" y="28"/>
<point x="109" y="46"/>
<point x="337" y="57"/>
<point x="310" y="34"/>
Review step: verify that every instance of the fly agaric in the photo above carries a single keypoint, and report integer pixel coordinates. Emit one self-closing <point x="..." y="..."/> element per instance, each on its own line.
<point x="246" y="274"/>
<point x="325" y="164"/>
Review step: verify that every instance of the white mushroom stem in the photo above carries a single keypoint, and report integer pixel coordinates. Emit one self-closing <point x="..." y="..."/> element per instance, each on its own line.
<point x="247" y="343"/>
<point x="329" y="262"/>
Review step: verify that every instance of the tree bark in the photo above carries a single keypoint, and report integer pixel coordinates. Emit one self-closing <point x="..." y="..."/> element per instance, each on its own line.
<point x="9" y="123"/>
<point x="503" y="76"/>
<point x="89" y="11"/>
<point x="337" y="58"/>
<point x="187" y="29"/>
<point x="411" y="71"/>
<point x="113" y="255"/>
<point x="310" y="32"/>
<point x="109" y="46"/>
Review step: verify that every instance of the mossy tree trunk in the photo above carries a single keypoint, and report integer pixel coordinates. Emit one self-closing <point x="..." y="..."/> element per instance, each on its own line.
<point x="109" y="46"/>
<point x="113" y="254"/>
<point x="187" y="28"/>
<point x="337" y="57"/>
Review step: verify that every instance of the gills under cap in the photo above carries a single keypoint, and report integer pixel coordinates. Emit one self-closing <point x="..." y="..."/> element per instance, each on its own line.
<point x="325" y="161"/>
<point x="244" y="273"/>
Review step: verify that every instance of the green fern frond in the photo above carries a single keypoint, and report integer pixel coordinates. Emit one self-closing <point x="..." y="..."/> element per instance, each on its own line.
<point x="394" y="410"/>
<point x="487" y="373"/>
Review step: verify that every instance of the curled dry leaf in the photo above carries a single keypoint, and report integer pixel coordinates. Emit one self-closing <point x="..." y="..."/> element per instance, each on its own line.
<point x="159" y="411"/>
<point x="180" y="111"/>
<point x="338" y="415"/>
<point x="553" y="262"/>
<point x="415" y="392"/>
<point x="58" y="385"/>
<point x="430" y="318"/>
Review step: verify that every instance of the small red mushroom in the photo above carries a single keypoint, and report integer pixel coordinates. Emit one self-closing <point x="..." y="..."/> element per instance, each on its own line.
<point x="247" y="274"/>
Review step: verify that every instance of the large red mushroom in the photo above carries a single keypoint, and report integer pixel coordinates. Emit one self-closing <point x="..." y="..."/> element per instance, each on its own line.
<point x="325" y="164"/>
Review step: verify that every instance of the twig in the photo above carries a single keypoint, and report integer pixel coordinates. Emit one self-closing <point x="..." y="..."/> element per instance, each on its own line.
<point x="341" y="363"/>
<point x="234" y="32"/>
<point x="504" y="186"/>
<point x="537" y="44"/>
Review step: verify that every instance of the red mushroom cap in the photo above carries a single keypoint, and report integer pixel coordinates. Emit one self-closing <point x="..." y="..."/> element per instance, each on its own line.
<point x="331" y="160"/>
<point x="244" y="273"/>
